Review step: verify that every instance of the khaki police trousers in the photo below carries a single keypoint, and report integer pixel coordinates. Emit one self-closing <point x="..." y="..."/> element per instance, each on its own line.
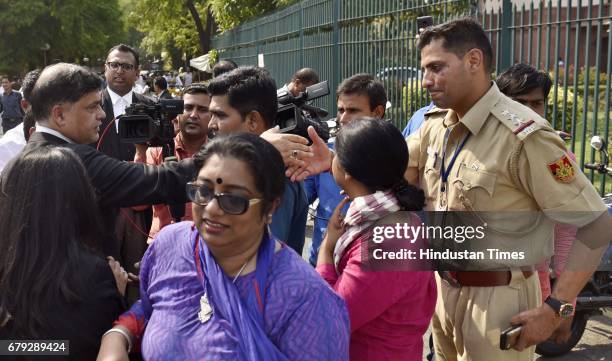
<point x="468" y="320"/>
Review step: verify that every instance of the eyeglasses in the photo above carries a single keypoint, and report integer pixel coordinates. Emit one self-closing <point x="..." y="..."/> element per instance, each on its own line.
<point x="201" y="194"/>
<point x="115" y="66"/>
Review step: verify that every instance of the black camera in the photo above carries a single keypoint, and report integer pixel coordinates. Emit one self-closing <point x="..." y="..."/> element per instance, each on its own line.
<point x="295" y="115"/>
<point x="424" y="22"/>
<point x="151" y="124"/>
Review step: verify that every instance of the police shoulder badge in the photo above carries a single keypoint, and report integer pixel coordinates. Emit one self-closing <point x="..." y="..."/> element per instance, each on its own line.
<point x="562" y="169"/>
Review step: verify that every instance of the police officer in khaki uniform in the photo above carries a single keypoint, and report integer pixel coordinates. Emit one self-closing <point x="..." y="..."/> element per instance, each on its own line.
<point x="483" y="155"/>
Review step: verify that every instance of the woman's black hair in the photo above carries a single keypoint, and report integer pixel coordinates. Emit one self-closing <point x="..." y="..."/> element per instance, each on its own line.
<point x="48" y="216"/>
<point x="374" y="152"/>
<point x="264" y="161"/>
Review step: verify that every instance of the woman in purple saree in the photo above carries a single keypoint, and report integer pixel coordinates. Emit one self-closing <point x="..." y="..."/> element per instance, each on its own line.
<point x="222" y="288"/>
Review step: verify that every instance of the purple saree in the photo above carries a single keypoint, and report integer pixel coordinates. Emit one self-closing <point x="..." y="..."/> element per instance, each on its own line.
<point x="282" y="311"/>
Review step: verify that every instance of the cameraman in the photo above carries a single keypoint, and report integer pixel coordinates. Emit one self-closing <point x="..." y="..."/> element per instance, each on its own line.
<point x="66" y="104"/>
<point x="301" y="80"/>
<point x="193" y="130"/>
<point x="361" y="95"/>
<point x="244" y="100"/>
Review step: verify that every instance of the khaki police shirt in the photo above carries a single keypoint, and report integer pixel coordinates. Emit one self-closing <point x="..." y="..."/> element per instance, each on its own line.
<point x="512" y="171"/>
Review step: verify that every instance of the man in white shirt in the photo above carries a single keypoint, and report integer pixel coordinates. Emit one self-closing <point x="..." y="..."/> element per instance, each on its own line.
<point x="141" y="86"/>
<point x="302" y="79"/>
<point x="188" y="77"/>
<point x="121" y="72"/>
<point x="15" y="139"/>
<point x="178" y="83"/>
<point x="11" y="143"/>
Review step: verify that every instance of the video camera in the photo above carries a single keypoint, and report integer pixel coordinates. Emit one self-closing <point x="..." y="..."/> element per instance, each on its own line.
<point x="295" y="116"/>
<point x="151" y="124"/>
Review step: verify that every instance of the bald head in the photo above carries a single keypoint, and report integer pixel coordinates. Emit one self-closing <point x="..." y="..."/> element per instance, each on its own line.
<point x="61" y="83"/>
<point x="53" y="70"/>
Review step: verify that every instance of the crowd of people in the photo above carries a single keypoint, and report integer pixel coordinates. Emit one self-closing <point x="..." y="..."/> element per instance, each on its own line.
<point x="194" y="250"/>
<point x="163" y="85"/>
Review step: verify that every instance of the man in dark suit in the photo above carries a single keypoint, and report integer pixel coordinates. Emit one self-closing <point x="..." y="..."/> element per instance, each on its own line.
<point x="160" y="86"/>
<point x="121" y="72"/>
<point x="66" y="103"/>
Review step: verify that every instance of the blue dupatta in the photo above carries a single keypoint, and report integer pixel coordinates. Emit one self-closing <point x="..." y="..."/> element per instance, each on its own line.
<point x="246" y="319"/>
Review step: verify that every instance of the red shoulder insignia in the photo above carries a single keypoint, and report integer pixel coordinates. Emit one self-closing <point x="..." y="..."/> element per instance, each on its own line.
<point x="562" y="169"/>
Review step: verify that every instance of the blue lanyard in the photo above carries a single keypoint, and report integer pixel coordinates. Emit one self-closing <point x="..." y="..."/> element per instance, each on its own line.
<point x="445" y="172"/>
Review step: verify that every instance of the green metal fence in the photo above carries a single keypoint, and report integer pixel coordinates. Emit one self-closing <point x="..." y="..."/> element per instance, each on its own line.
<point x="569" y="38"/>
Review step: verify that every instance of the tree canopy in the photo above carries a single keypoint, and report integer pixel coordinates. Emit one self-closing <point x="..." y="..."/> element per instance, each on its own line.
<point x="189" y="25"/>
<point x="231" y="13"/>
<point x="73" y="30"/>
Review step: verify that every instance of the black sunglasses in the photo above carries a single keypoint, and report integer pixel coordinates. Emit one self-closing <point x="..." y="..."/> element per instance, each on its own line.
<point x="202" y="194"/>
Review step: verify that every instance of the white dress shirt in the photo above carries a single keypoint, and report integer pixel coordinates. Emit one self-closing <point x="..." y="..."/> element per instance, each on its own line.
<point x="188" y="79"/>
<point x="119" y="104"/>
<point x="43" y="129"/>
<point x="14" y="141"/>
<point x="11" y="144"/>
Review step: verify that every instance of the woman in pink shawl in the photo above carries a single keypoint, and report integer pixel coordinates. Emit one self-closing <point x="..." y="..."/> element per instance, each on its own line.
<point x="389" y="311"/>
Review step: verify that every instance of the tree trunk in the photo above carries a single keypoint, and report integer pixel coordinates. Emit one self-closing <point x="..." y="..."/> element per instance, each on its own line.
<point x="211" y="28"/>
<point x="205" y="34"/>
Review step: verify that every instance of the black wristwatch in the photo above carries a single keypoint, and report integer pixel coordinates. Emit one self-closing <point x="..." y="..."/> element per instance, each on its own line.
<point x="562" y="309"/>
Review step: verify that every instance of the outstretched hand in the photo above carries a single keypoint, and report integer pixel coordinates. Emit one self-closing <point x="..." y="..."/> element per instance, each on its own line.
<point x="319" y="160"/>
<point x="292" y="147"/>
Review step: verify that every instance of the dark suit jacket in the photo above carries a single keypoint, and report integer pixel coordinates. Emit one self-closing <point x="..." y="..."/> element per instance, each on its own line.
<point x="110" y="144"/>
<point x="165" y="95"/>
<point x="124" y="184"/>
